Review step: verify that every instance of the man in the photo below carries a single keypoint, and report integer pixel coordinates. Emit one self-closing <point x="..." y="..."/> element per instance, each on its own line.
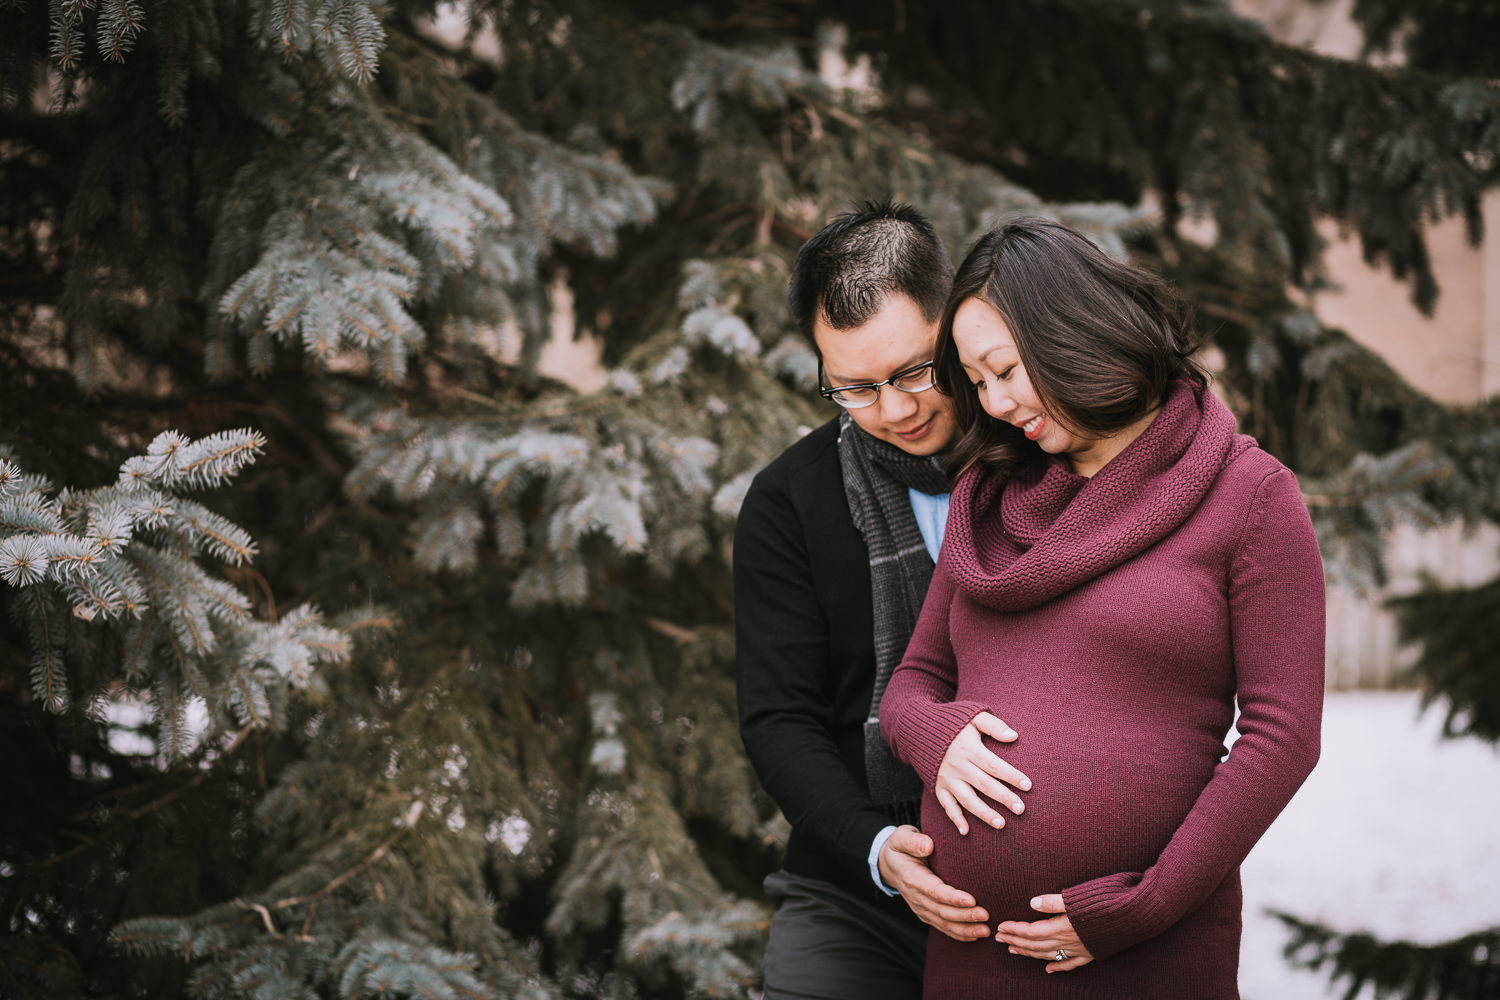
<point x="833" y="554"/>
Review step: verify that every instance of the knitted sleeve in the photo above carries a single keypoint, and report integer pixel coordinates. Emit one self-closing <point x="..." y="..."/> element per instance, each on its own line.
<point x="918" y="715"/>
<point x="1276" y="617"/>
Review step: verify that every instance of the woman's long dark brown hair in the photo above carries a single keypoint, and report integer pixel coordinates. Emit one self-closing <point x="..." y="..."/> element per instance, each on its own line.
<point x="1100" y="340"/>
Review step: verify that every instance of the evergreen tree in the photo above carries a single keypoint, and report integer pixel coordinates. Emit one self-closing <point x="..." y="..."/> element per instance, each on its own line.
<point x="276" y="278"/>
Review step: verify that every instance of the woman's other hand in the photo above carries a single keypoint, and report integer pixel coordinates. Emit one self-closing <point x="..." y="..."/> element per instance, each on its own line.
<point x="1045" y="938"/>
<point x="971" y="770"/>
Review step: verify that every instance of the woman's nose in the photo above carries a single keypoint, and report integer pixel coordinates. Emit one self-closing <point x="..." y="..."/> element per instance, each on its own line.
<point x="996" y="402"/>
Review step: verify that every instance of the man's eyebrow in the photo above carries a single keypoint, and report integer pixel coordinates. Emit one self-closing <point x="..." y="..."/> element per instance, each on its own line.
<point x="911" y="362"/>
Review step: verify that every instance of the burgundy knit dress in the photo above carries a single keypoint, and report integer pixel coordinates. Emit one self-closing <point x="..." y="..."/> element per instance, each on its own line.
<point x="1113" y="622"/>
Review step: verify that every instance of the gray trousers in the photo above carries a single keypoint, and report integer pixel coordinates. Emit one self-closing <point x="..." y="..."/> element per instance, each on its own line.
<point x="829" y="944"/>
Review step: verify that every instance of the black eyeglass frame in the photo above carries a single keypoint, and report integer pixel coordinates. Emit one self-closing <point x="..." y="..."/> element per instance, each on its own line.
<point x="828" y="392"/>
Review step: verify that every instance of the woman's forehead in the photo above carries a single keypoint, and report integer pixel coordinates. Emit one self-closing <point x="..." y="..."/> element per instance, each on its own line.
<point x="980" y="334"/>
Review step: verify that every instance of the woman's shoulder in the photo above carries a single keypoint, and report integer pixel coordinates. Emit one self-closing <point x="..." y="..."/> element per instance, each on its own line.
<point x="1255" y="485"/>
<point x="1251" y="479"/>
<point x="1250" y="466"/>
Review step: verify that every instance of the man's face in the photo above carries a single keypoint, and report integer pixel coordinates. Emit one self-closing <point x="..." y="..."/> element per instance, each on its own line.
<point x="895" y="338"/>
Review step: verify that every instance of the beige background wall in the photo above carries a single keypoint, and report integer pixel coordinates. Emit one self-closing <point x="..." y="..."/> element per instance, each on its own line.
<point x="1453" y="356"/>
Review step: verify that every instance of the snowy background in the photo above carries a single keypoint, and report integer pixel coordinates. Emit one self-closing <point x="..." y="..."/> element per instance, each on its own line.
<point x="1396" y="832"/>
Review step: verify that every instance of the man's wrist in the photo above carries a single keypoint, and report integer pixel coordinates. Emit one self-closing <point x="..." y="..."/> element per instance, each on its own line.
<point x="876" y="846"/>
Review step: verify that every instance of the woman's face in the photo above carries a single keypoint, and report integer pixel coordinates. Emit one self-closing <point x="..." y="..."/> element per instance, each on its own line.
<point x="992" y="363"/>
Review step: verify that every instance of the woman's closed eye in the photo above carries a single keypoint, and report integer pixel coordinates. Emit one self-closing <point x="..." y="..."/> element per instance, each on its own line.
<point x="1003" y="376"/>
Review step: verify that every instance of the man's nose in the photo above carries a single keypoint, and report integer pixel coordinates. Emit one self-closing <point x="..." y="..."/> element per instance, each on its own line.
<point x="896" y="405"/>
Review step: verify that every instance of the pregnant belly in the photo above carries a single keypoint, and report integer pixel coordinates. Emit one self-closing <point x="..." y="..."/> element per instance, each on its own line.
<point x="1086" y="817"/>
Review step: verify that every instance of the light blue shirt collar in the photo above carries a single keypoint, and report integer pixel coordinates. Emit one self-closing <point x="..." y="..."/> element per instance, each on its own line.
<point x="932" y="517"/>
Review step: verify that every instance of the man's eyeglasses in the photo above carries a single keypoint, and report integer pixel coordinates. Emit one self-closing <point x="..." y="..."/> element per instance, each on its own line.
<point x="851" y="397"/>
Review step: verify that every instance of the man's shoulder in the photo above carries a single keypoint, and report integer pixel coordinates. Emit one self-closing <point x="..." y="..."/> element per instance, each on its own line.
<point x="803" y="485"/>
<point x="817" y="448"/>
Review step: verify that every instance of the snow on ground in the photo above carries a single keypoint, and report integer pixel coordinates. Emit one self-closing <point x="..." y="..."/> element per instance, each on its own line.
<point x="1395" y="833"/>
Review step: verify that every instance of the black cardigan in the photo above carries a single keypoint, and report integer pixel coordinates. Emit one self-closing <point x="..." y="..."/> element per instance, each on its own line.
<point x="805" y="649"/>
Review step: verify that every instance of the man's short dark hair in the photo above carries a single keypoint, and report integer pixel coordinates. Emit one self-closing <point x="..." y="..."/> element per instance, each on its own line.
<point x="847" y="270"/>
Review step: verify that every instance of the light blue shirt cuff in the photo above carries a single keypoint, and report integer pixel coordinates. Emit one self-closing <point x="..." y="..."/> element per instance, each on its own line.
<point x="875" y="847"/>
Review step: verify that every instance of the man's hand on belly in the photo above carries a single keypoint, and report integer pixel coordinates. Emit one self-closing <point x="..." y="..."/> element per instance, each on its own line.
<point x="971" y="772"/>
<point x="904" y="868"/>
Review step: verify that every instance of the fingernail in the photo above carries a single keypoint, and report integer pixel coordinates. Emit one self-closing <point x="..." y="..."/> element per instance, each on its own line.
<point x="1019" y="807"/>
<point x="997" y="822"/>
<point x="1011" y="734"/>
<point x="1013" y="951"/>
<point x="1035" y="901"/>
<point x="1025" y="784"/>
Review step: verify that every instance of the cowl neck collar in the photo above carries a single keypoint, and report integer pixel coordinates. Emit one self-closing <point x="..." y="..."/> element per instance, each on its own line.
<point x="1047" y="530"/>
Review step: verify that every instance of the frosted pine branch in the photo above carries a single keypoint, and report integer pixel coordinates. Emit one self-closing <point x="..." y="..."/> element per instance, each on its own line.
<point x="23" y="559"/>
<point x="112" y="575"/>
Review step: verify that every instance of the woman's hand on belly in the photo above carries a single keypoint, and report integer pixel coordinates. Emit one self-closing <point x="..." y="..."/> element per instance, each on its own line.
<point x="1046" y="939"/>
<point x="971" y="771"/>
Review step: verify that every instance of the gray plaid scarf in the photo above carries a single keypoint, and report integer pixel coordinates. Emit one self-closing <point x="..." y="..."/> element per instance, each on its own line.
<point x="876" y="477"/>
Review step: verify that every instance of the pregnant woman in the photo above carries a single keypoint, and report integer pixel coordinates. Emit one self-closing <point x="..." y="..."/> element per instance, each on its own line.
<point x="1120" y="569"/>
